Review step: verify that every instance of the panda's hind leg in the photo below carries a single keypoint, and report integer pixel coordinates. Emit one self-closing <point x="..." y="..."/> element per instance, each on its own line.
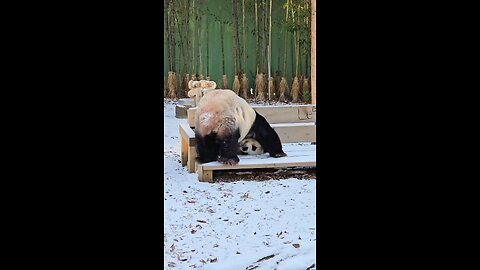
<point x="228" y="149"/>
<point x="267" y="137"/>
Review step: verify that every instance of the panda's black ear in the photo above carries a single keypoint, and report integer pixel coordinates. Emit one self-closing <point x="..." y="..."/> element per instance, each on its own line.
<point x="266" y="136"/>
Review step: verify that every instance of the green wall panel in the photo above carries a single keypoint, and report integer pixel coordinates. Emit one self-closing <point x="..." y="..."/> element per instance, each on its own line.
<point x="221" y="10"/>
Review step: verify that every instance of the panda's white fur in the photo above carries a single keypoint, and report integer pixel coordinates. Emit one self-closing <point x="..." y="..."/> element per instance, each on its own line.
<point x="246" y="147"/>
<point x="222" y="112"/>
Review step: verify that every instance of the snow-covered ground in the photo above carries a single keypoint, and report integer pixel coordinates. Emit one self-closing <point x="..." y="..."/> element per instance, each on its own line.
<point x="237" y="225"/>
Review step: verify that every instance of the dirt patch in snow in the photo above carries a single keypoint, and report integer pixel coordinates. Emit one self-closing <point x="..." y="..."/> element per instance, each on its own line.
<point x="265" y="174"/>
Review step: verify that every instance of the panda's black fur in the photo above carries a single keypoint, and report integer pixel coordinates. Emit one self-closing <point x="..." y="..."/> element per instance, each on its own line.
<point x="223" y="119"/>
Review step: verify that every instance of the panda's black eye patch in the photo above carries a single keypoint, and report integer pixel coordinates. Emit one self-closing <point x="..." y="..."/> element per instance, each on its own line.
<point x="254" y="147"/>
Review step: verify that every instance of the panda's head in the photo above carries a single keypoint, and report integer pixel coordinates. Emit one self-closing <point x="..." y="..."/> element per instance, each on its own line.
<point x="250" y="147"/>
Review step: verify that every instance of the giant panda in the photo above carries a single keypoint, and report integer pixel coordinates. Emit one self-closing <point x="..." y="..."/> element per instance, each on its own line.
<point x="222" y="120"/>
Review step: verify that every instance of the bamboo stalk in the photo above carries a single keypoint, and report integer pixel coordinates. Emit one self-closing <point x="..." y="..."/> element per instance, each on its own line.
<point x="234" y="10"/>
<point x="224" y="82"/>
<point x="208" y="63"/>
<point x="244" y="85"/>
<point x="172" y="34"/>
<point x="223" y="50"/>
<point x="167" y="3"/>
<point x="236" y="84"/>
<point x="199" y="27"/>
<point x="258" y="42"/>
<point x="237" y="36"/>
<point x="193" y="37"/>
<point x="298" y="42"/>
<point x="295" y="35"/>
<point x="186" y="32"/>
<point x="285" y="51"/>
<point x="307" y="22"/>
<point x="283" y="89"/>
<point x="180" y="82"/>
<point x="270" y="54"/>
<point x="265" y="36"/>
<point x="244" y="37"/>
<point x="292" y="43"/>
<point x="179" y="29"/>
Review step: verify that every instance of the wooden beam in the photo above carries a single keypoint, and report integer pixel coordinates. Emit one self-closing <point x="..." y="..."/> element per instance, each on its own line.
<point x="308" y="160"/>
<point x="184" y="151"/>
<point x="296" y="132"/>
<point x="204" y="175"/>
<point x="276" y="114"/>
<point x="187" y="134"/>
<point x="314" y="52"/>
<point x="192" y="154"/>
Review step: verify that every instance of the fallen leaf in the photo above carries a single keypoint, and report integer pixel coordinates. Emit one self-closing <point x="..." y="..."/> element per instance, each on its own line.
<point x="201" y="221"/>
<point x="181" y="259"/>
<point x="172" y="248"/>
<point x="266" y="258"/>
<point x="296" y="245"/>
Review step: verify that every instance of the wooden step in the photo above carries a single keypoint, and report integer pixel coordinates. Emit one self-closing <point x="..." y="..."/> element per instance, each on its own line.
<point x="296" y="132"/>
<point x="298" y="156"/>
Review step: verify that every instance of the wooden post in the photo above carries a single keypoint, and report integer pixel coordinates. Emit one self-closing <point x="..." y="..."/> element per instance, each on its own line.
<point x="184" y="151"/>
<point x="314" y="50"/>
<point x="204" y="175"/>
<point x="192" y="154"/>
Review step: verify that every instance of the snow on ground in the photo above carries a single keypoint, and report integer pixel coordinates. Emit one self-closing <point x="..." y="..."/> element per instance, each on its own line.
<point x="238" y="225"/>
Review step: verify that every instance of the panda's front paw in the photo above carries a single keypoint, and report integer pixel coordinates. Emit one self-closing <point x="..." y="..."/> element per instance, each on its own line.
<point x="229" y="161"/>
<point x="277" y="155"/>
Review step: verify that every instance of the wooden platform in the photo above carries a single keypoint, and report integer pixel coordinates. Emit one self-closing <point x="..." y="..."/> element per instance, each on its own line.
<point x="293" y="124"/>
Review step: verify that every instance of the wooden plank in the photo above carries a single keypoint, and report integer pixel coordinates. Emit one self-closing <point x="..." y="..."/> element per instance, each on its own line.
<point x="288" y="114"/>
<point x="290" y="153"/>
<point x="275" y="114"/>
<point x="184" y="153"/>
<point x="283" y="162"/>
<point x="187" y="133"/>
<point x="191" y="116"/>
<point x="289" y="133"/>
<point x="192" y="154"/>
<point x="205" y="175"/>
<point x="299" y="146"/>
